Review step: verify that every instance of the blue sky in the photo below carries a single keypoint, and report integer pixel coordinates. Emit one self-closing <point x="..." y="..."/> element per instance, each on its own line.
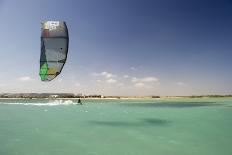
<point x="122" y="47"/>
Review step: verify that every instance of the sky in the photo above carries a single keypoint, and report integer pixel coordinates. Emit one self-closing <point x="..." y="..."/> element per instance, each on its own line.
<point x="121" y="47"/>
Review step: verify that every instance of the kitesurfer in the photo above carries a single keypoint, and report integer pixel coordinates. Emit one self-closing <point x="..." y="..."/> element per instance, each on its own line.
<point x="79" y="101"/>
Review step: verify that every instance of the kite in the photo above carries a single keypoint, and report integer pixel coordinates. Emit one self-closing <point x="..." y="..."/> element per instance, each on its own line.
<point x="54" y="49"/>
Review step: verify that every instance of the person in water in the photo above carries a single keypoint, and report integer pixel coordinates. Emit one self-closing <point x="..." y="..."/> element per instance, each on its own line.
<point x="79" y="101"/>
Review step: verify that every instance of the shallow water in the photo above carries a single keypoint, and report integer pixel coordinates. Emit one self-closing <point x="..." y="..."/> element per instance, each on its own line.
<point x="116" y="127"/>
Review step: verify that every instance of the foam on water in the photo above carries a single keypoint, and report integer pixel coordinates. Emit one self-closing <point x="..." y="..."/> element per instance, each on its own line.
<point x="49" y="103"/>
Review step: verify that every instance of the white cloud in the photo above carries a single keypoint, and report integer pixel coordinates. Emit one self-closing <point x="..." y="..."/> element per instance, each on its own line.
<point x="149" y="79"/>
<point x="139" y="85"/>
<point x="105" y="77"/>
<point x="133" y="68"/>
<point x="111" y="81"/>
<point x="77" y="84"/>
<point x="99" y="81"/>
<point x="134" y="79"/>
<point x="104" y="74"/>
<point x="181" y="84"/>
<point x="126" y="76"/>
<point x="25" y="78"/>
<point x="109" y="75"/>
<point x="145" y="79"/>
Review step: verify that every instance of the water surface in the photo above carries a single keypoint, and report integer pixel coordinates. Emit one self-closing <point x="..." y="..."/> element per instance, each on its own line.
<point x="116" y="127"/>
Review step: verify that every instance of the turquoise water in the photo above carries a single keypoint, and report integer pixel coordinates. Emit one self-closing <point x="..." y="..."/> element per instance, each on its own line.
<point x="116" y="127"/>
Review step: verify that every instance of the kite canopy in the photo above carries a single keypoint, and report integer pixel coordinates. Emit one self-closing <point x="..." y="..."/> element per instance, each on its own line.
<point x="54" y="49"/>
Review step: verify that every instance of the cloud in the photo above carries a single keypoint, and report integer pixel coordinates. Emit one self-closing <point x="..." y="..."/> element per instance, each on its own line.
<point x="139" y="85"/>
<point x="126" y="76"/>
<point x="105" y="77"/>
<point x="111" y="81"/>
<point x="77" y="84"/>
<point x="134" y="79"/>
<point x="181" y="84"/>
<point x="99" y="81"/>
<point x="25" y="78"/>
<point x="133" y="68"/>
<point x="148" y="79"/>
<point x="145" y="82"/>
<point x="104" y="74"/>
<point x="108" y="75"/>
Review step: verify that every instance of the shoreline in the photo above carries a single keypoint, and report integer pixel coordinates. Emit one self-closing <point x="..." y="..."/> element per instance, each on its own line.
<point x="117" y="98"/>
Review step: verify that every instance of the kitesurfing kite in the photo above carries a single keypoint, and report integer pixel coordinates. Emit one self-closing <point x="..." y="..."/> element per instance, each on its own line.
<point x="54" y="49"/>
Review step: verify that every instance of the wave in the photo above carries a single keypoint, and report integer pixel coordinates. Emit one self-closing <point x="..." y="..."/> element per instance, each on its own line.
<point x="49" y="103"/>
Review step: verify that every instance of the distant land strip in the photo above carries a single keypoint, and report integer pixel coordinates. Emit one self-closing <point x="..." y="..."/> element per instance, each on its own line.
<point x="71" y="95"/>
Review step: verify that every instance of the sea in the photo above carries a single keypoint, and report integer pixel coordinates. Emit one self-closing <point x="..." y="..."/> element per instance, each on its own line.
<point x="185" y="126"/>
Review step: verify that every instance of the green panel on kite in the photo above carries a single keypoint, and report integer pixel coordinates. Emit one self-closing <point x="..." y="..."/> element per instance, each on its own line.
<point x="43" y="71"/>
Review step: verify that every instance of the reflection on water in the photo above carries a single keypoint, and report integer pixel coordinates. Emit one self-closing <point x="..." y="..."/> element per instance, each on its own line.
<point x="229" y="106"/>
<point x="142" y="122"/>
<point x="156" y="121"/>
<point x="174" y="104"/>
